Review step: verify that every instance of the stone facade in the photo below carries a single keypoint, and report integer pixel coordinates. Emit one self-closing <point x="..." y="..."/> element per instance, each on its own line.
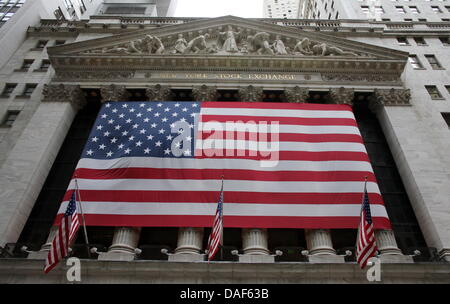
<point x="113" y="59"/>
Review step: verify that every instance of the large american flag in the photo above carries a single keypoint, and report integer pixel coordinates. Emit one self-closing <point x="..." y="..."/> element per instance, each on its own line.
<point x="216" y="237"/>
<point x="365" y="245"/>
<point x="288" y="166"/>
<point x="65" y="235"/>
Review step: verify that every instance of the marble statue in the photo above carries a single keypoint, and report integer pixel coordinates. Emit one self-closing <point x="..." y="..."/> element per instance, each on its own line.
<point x="279" y="47"/>
<point x="230" y="44"/>
<point x="197" y="44"/>
<point x="322" y="49"/>
<point x="260" y="43"/>
<point x="303" y="47"/>
<point x="180" y="44"/>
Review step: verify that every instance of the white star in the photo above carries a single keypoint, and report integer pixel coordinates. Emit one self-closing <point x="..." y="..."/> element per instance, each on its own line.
<point x="177" y="144"/>
<point x="99" y="127"/>
<point x="172" y="125"/>
<point x="175" y="114"/>
<point x="106" y="133"/>
<point x="189" y="138"/>
<point x="147" y="151"/>
<point x="150" y="137"/>
<point x="153" y="125"/>
<point x="127" y="151"/>
<point x="158" y="143"/>
<point x="110" y="121"/>
<point x="142" y="131"/>
<point x="184" y="109"/>
<point x="161" y="131"/>
<point x="167" y="151"/>
<point x="89" y="152"/>
<point x="177" y="105"/>
<point x="120" y="146"/>
<point x="194" y="105"/>
<point x="128" y="120"/>
<point x="131" y="110"/>
<point x="157" y="114"/>
<point x="146" y="120"/>
<point x="124" y="105"/>
<point x="170" y="137"/>
<point x="104" y="116"/>
<point x="113" y="140"/>
<point x="183" y="119"/>
<point x="138" y="144"/>
<point x="193" y="114"/>
<point x="142" y="105"/>
<point x="124" y="133"/>
<point x="94" y="139"/>
<point x="109" y="154"/>
<point x="149" y="109"/>
<point x="131" y="138"/>
<point x="187" y="152"/>
<point x="159" y="105"/>
<point x="164" y="119"/>
<point x="114" y="110"/>
<point x="122" y="115"/>
<point x="167" y="109"/>
<point x="102" y="147"/>
<point x="138" y="114"/>
<point x="117" y="127"/>
<point x="191" y="126"/>
<point x="107" y="105"/>
<point x="135" y="126"/>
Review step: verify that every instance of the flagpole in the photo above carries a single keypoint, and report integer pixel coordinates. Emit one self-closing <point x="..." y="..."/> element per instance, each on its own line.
<point x="221" y="238"/>
<point x="82" y="217"/>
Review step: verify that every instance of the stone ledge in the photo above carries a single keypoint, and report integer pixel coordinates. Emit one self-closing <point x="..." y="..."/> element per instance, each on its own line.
<point x="93" y="271"/>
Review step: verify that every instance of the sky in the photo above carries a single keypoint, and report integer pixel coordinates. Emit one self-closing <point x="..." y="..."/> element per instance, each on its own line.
<point x="216" y="8"/>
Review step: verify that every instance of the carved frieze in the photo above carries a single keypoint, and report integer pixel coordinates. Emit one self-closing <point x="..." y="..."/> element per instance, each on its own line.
<point x="205" y="93"/>
<point x="341" y="96"/>
<point x="296" y="94"/>
<point x="393" y="97"/>
<point x="64" y="93"/>
<point x="90" y="75"/>
<point x="113" y="92"/>
<point x="159" y="93"/>
<point x="251" y="93"/>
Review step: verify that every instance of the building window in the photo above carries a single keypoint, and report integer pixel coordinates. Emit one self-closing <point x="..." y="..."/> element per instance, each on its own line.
<point x="414" y="10"/>
<point x="448" y="88"/>
<point x="422" y="20"/>
<point x="420" y="41"/>
<point x="379" y="10"/>
<point x="9" y="88"/>
<point x="446" y="117"/>
<point x="365" y="9"/>
<point x="41" y="44"/>
<point x="402" y="41"/>
<point x="436" y="9"/>
<point x="29" y="88"/>
<point x="445" y="41"/>
<point x="415" y="62"/>
<point x="45" y="65"/>
<point x="433" y="62"/>
<point x="60" y="42"/>
<point x="11" y="116"/>
<point x="400" y="10"/>
<point x="434" y="92"/>
<point x="27" y="64"/>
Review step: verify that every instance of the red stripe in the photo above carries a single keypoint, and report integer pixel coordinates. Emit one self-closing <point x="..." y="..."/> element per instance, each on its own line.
<point x="231" y="221"/>
<point x="136" y="196"/>
<point x="290" y="137"/>
<point x="231" y="174"/>
<point x="304" y="121"/>
<point x="273" y="105"/>
<point x="283" y="155"/>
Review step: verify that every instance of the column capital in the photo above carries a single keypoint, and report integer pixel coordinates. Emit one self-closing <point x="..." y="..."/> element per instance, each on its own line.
<point x="296" y="94"/>
<point x="113" y="92"/>
<point x="159" y="93"/>
<point x="393" y="97"/>
<point x="251" y="93"/>
<point x="342" y="95"/>
<point x="205" y="93"/>
<point x="64" y="93"/>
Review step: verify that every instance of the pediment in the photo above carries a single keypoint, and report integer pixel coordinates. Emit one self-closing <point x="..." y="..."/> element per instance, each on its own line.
<point x="228" y="39"/>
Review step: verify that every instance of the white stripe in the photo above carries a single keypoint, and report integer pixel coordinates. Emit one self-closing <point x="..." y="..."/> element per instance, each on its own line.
<point x="277" y="113"/>
<point x="232" y="185"/>
<point x="292" y="129"/>
<point x="229" y="163"/>
<point x="280" y="146"/>
<point x="127" y="208"/>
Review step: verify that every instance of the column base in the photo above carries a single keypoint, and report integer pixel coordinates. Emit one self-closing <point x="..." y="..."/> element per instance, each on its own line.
<point x="116" y="256"/>
<point x="187" y="257"/>
<point x="256" y="258"/>
<point x="326" y="259"/>
<point x="38" y="255"/>
<point x="444" y="255"/>
<point x="395" y="258"/>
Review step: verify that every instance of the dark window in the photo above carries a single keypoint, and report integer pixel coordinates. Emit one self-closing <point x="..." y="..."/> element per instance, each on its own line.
<point x="45" y="64"/>
<point x="29" y="88"/>
<point x="60" y="42"/>
<point x="27" y="64"/>
<point x="434" y="92"/>
<point x="182" y="95"/>
<point x="227" y="95"/>
<point x="41" y="44"/>
<point x="273" y="96"/>
<point x="436" y="9"/>
<point x="448" y="88"/>
<point x="119" y="10"/>
<point x="433" y="62"/>
<point x="446" y="117"/>
<point x="10" y="118"/>
<point x="137" y="95"/>
<point x="402" y="41"/>
<point x="415" y="62"/>
<point x="445" y="40"/>
<point x="9" y="88"/>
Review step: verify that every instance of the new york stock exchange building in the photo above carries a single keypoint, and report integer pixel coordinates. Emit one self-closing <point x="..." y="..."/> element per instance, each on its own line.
<point x="103" y="88"/>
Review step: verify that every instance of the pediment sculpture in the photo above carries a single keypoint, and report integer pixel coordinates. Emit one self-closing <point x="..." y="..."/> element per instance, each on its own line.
<point x="226" y="41"/>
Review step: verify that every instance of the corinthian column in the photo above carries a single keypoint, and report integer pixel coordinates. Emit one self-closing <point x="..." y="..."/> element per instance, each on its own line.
<point x="189" y="245"/>
<point x="251" y="94"/>
<point x="159" y="93"/>
<point x="123" y="246"/>
<point x="255" y="246"/>
<point x="204" y="93"/>
<point x="114" y="93"/>
<point x="320" y="247"/>
<point x="389" y="251"/>
<point x="342" y="96"/>
<point x="296" y="94"/>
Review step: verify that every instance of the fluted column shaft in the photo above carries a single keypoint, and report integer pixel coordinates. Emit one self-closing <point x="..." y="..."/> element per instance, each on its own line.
<point x="189" y="240"/>
<point x="386" y="242"/>
<point x="319" y="241"/>
<point x="254" y="241"/>
<point x="125" y="240"/>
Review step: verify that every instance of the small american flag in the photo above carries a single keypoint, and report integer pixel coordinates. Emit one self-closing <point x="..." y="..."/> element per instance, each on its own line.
<point x="366" y="246"/>
<point x="66" y="234"/>
<point x="216" y="236"/>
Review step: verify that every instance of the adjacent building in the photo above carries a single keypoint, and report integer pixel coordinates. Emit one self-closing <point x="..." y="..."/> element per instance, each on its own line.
<point x="393" y="73"/>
